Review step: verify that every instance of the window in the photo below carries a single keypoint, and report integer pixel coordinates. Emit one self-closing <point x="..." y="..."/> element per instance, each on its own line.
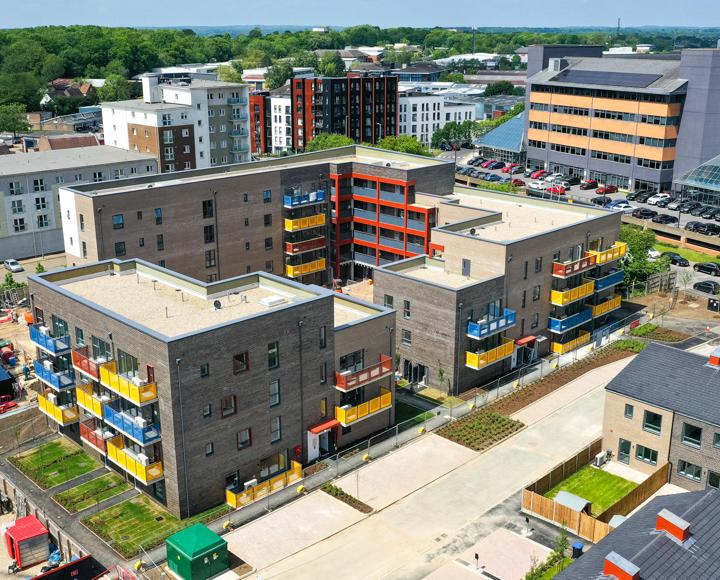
<point x="524" y="299"/>
<point x="160" y="242"/>
<point x="167" y="137"/>
<point x="205" y="371"/>
<point x="247" y="222"/>
<point x="210" y="260"/>
<point x="323" y="336"/>
<point x="407" y="338"/>
<point x="161" y="263"/>
<point x="652" y="422"/>
<point x="84" y="250"/>
<point x="38" y="185"/>
<point x="689" y="470"/>
<point x="525" y="270"/>
<point x="268" y="243"/>
<point x="79" y="336"/>
<point x="167" y="120"/>
<point x="267" y="196"/>
<point x="323" y="372"/>
<point x="186" y="149"/>
<point x="538" y="265"/>
<point x="406" y="309"/>
<point x="716" y="440"/>
<point x="207" y="208"/>
<point x="43" y="221"/>
<point x="227" y="406"/>
<point x="82" y="223"/>
<point x="274" y="392"/>
<point x="169" y="153"/>
<point x="118" y="222"/>
<point x="141" y="242"/>
<point x="244" y="439"/>
<point x="269" y="266"/>
<point x="646" y="454"/>
<point x="19" y="224"/>
<point x="209" y="234"/>
<point x="97" y="176"/>
<point x="275" y="430"/>
<point x="388" y="301"/>
<point x="691" y="435"/>
<point x="158" y="216"/>
<point x="209" y="449"/>
<point x="536" y="293"/>
<point x="119" y="249"/>
<point x="207" y="411"/>
<point x="241" y="363"/>
<point x="273" y="355"/>
<point x="245" y="196"/>
<point x="211" y="278"/>
<point x="323" y="406"/>
<point x="267" y="219"/>
<point x="17" y="206"/>
<point x="14" y="188"/>
<point x="40" y="203"/>
<point x="247" y="247"/>
<point x="629" y="411"/>
<point x="535" y="320"/>
<point x="713" y="479"/>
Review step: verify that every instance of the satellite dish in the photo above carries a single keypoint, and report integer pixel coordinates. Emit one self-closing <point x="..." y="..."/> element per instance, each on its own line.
<point x="472" y="231"/>
<point x="217" y="305"/>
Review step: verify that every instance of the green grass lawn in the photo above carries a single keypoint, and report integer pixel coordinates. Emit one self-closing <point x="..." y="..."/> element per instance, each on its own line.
<point x="88" y="494"/>
<point x="141" y="521"/>
<point x="555" y="570"/>
<point x="691" y="255"/>
<point x="54" y="463"/>
<point x="410" y="413"/>
<point x="603" y="489"/>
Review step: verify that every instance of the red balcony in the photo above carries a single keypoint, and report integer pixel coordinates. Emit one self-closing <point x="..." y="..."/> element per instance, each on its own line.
<point x="91" y="432"/>
<point x="348" y="381"/>
<point x="565" y="269"/>
<point x="82" y="362"/>
<point x="306" y="246"/>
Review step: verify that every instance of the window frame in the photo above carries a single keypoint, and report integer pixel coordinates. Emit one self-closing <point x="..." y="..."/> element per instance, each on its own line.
<point x="274" y="395"/>
<point x="388" y="300"/>
<point x="207" y="411"/>
<point x="691" y="442"/>
<point x="406" y="337"/>
<point x="273" y="350"/>
<point x="205" y="370"/>
<point x="631" y="408"/>
<point x="273" y="430"/>
<point x="223" y="414"/>
<point x="645" y="422"/>
<point x="209" y="449"/>
<point x="249" y="438"/>
<point x="118" y="221"/>
<point x="246" y="364"/>
<point x="685" y="473"/>
<point x="642" y="458"/>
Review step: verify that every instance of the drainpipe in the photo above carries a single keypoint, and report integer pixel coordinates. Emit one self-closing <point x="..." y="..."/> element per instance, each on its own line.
<point x="302" y="394"/>
<point x="178" y="360"/>
<point x="457" y="354"/>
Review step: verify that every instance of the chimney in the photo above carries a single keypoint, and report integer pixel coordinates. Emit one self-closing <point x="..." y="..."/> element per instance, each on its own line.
<point x="621" y="568"/>
<point x="674" y="525"/>
<point x="714" y="360"/>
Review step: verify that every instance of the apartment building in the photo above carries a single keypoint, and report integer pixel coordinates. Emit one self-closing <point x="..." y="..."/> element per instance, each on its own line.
<point x="421" y="114"/>
<point x="636" y="122"/>
<point x="184" y="124"/>
<point x="363" y="108"/>
<point x="30" y="223"/>
<point x="663" y="407"/>
<point x="200" y="393"/>
<point x="271" y="127"/>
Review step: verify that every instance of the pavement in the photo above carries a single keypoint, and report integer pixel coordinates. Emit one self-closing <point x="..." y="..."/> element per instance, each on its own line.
<point x="49" y="262"/>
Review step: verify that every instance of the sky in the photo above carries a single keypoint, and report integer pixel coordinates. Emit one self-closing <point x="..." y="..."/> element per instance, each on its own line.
<point x="383" y="13"/>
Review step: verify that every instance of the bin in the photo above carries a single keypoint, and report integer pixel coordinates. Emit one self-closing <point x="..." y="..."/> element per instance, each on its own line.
<point x="196" y="553"/>
<point x="577" y="549"/>
<point x="27" y="542"/>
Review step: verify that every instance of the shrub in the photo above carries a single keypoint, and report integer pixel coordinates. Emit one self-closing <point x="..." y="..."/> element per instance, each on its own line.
<point x="644" y="330"/>
<point x="630" y="344"/>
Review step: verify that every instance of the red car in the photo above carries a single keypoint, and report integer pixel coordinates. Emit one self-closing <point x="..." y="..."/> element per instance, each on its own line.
<point x="605" y="189"/>
<point x="488" y="162"/>
<point x="518" y="182"/>
<point x="509" y="167"/>
<point x="5" y="407"/>
<point x="559" y="189"/>
<point x="456" y="147"/>
<point x="538" y="174"/>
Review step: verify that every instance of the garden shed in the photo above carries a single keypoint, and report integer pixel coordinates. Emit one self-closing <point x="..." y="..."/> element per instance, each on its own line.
<point x="574" y="502"/>
<point x="197" y="553"/>
<point x="27" y="542"/>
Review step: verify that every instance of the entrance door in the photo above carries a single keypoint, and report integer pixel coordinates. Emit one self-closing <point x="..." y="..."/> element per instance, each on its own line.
<point x="624" y="452"/>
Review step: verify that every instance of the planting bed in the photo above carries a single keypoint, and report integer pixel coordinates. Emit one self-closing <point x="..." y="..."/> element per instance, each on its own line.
<point x="342" y="495"/>
<point x="91" y="493"/>
<point x="655" y="332"/>
<point x="315" y="468"/>
<point x="480" y="430"/>
<point x="54" y="463"/>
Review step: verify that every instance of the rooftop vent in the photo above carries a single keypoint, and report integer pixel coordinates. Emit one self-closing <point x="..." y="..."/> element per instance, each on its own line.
<point x="674" y="525"/>
<point x="621" y="568"/>
<point x="714" y="360"/>
<point x="274" y="300"/>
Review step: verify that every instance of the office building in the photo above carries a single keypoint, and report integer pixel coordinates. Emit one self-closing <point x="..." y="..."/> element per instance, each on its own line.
<point x="422" y="114"/>
<point x="419" y="72"/>
<point x="204" y="393"/>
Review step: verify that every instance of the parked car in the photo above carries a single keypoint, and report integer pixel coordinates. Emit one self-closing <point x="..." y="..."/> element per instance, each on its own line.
<point x="539" y="174"/>
<point x="474" y="160"/>
<point x="446" y="147"/>
<point x="688" y="206"/>
<point x="507" y="168"/>
<point x="643" y="213"/>
<point x="518" y="182"/>
<point x="709" y="229"/>
<point x="480" y="174"/>
<point x="664" y="202"/>
<point x="572" y="179"/>
<point x="496" y="165"/>
<point x="633" y="194"/>
<point x="505" y="179"/>
<point x="710" y="213"/>
<point x="602" y="200"/>
<point x="622" y="206"/>
<point x="455" y="147"/>
<point x="557" y="189"/>
<point x="478" y="161"/>
<point x="487" y="163"/>
<point x="707" y="286"/>
<point x="664" y="218"/>
<point x="653" y="254"/>
<point x="698" y="211"/>
<point x="5" y="407"/>
<point x="13" y="265"/>
<point x="675" y="203"/>
<point x="552" y="177"/>
<point x="536" y="185"/>
<point x="676" y="259"/>
<point x="692" y="226"/>
<point x="492" y="177"/>
<point x="642" y="197"/>
<point x="652" y="200"/>
<point x="516" y="170"/>
<point x="708" y="268"/>
<point x="589" y="184"/>
<point x="529" y="172"/>
<point x="607" y="189"/>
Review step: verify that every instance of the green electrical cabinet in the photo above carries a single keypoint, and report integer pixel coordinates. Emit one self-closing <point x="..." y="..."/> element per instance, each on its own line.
<point x="197" y="553"/>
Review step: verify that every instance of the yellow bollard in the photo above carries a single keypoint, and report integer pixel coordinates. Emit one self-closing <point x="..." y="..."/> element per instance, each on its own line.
<point x="421" y="430"/>
<point x="300" y="488"/>
<point x="516" y="383"/>
<point x="554" y="365"/>
<point x="471" y="406"/>
<point x="366" y="457"/>
<point x="652" y="316"/>
<point x="622" y="331"/>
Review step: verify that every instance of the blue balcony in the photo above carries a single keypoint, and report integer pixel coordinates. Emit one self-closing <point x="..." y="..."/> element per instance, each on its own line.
<point x="393" y="220"/>
<point x="565" y="324"/>
<point x="59" y="380"/>
<point x="365" y="191"/>
<point x="416" y="225"/>
<point x="304" y="199"/>
<point x="415" y="248"/>
<point x="365" y="214"/>
<point x="47" y="342"/>
<point x="130" y="426"/>
<point x="365" y="237"/>
<point x="237" y="101"/>
<point x="392" y="197"/>
<point x="608" y="280"/>
<point x="491" y="324"/>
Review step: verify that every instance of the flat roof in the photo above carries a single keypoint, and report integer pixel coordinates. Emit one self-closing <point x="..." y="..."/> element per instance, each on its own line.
<point x="432" y="271"/>
<point x="349" y="311"/>
<point x="61" y="159"/>
<point x="140" y="105"/>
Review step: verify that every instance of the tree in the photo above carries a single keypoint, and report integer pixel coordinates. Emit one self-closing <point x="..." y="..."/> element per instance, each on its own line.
<point x="13" y="118"/>
<point x="499" y="88"/>
<point x="53" y="67"/>
<point x="504" y="64"/>
<point x="328" y="141"/>
<point x="685" y="277"/>
<point x="228" y="74"/>
<point x="39" y="269"/>
<point x="448" y="77"/>
<point x="306" y="58"/>
<point x="561" y="546"/>
<point x="116" y="88"/>
<point x="635" y="263"/>
<point x="278" y="74"/>
<point x="404" y="144"/>
<point x="331" y="65"/>
<point x="516" y="61"/>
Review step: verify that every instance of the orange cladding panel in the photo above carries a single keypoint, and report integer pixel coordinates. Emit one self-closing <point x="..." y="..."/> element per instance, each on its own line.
<point x="539" y="116"/>
<point x="657" y="131"/>
<point x="612" y="146"/>
<point x="572" y="101"/>
<point x="660" y="109"/>
<point x="570" y="120"/>
<point x="614" y="126"/>
<point x="615" y="105"/>
<point x="655" y="153"/>
<point x="537" y="134"/>
<point x="565" y="139"/>
<point x="536" y="97"/>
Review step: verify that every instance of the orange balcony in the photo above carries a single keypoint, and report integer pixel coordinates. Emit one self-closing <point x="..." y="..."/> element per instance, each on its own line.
<point x="82" y="362"/>
<point x="302" y="269"/>
<point x="618" y="250"/>
<point x="347" y="381"/>
<point x="304" y="246"/>
<point x="91" y="432"/>
<point x="566" y="269"/>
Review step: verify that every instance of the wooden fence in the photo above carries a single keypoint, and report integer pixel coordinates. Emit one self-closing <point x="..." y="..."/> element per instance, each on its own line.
<point x="566" y="469"/>
<point x="638" y="495"/>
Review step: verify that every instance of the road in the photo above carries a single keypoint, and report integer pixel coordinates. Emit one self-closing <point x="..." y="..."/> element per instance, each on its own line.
<point x="49" y="262"/>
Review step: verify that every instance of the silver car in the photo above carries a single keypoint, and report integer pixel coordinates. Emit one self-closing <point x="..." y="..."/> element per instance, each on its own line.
<point x="13" y="265"/>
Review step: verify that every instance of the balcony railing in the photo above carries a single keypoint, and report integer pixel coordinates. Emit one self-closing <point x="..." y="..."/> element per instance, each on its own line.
<point x="609" y="280"/>
<point x="364" y="258"/>
<point x="138" y="465"/>
<point x="239" y="117"/>
<point x="348" y="415"/>
<point x="568" y="322"/>
<point x="84" y="363"/>
<point x="563" y="347"/>
<point x="365" y="191"/>
<point x="563" y="297"/>
<point x="40" y="335"/>
<point x="62" y="414"/>
<point x="391" y="243"/>
<point x="236" y="498"/>
<point x="393" y="220"/>
<point x="365" y="214"/>
<point x="304" y="246"/>
<point x="565" y="269"/>
<point x="478" y="360"/>
<point x="416" y="225"/>
<point x="618" y="250"/>
<point x="92" y="432"/>
<point x="302" y="269"/>
<point x="237" y="101"/>
<point x="59" y="380"/>
<point x="392" y="197"/>
<point x="235" y="133"/>
<point x="305" y="223"/>
<point x="364" y="237"/>
<point x="304" y="199"/>
<point x="415" y="248"/>
<point x="491" y="324"/>
<point x="612" y="303"/>
<point x="90" y="401"/>
<point x="134" y="427"/>
<point x="139" y="394"/>
<point x="240" y="149"/>
<point x="346" y="381"/>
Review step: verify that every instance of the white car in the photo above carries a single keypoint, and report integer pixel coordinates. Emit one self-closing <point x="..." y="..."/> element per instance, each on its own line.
<point x="13" y="265"/>
<point x="653" y="254"/>
<point x="538" y="184"/>
<point x="674" y="204"/>
<point x="657" y="197"/>
<point x="623" y="206"/>
<point x="553" y="176"/>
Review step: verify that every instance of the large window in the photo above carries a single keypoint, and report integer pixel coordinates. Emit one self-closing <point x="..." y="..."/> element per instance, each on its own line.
<point x="406" y="309"/>
<point x="118" y="222"/>
<point x="691" y="435"/>
<point x="209" y="234"/>
<point x="119" y="249"/>
<point x="689" y="470"/>
<point x="275" y="430"/>
<point x="652" y="422"/>
<point x="207" y="208"/>
<point x="713" y="479"/>
<point x="244" y="439"/>
<point x="646" y="454"/>
<point x="407" y="338"/>
<point x="388" y="301"/>
<point x="227" y="406"/>
<point x="241" y="363"/>
<point x="274" y="392"/>
<point x="273" y="355"/>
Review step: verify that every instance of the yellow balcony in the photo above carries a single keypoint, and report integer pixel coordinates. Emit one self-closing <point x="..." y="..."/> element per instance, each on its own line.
<point x="607" y="306"/>
<point x="134" y="465"/>
<point x="618" y="250"/>
<point x="479" y="360"/>
<point x="236" y="499"/>
<point x="348" y="415"/>
<point x="138" y="394"/>
<point x="304" y="223"/>
<point x="563" y="347"/>
<point x="563" y="297"/>
<point x="302" y="269"/>
<point x="88" y="400"/>
<point x="62" y="414"/>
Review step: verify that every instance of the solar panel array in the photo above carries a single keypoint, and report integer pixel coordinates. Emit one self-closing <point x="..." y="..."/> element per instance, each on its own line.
<point x="597" y="77"/>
